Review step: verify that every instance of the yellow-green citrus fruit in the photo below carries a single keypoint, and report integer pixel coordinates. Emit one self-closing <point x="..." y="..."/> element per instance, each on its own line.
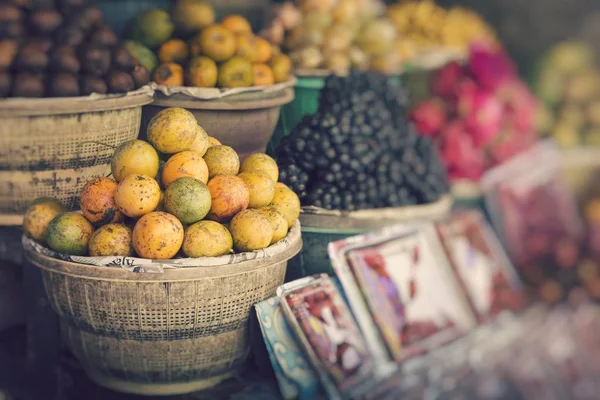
<point x="39" y="214"/>
<point x="111" y="240"/>
<point x="260" y="162"/>
<point x="137" y="195"/>
<point x="207" y="239"/>
<point x="278" y="223"/>
<point x="97" y="201"/>
<point x="157" y="235"/>
<point x="172" y="130"/>
<point x="188" y="199"/>
<point x="250" y="230"/>
<point x="260" y="187"/>
<point x="200" y="143"/>
<point x="69" y="233"/>
<point x="222" y="160"/>
<point x="212" y="141"/>
<point x="287" y="203"/>
<point x="134" y="157"/>
<point x="186" y="163"/>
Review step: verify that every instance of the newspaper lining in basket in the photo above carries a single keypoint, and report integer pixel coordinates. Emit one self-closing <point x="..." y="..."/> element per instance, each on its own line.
<point x="136" y="264"/>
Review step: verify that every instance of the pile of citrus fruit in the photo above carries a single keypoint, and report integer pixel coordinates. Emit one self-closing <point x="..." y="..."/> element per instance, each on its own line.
<point x="201" y="202"/>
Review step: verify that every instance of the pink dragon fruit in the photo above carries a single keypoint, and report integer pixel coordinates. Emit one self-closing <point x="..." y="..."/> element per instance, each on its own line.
<point x="520" y="105"/>
<point x="444" y="80"/>
<point x="429" y="117"/>
<point x="461" y="157"/>
<point x="482" y="113"/>
<point x="490" y="68"/>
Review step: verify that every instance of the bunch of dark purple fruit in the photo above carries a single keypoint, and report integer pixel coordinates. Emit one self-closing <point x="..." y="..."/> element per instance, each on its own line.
<point x="62" y="48"/>
<point x="358" y="151"/>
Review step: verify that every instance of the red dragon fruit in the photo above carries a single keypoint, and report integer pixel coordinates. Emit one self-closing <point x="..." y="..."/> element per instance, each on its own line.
<point x="444" y="80"/>
<point x="461" y="157"/>
<point x="490" y="68"/>
<point x="429" y="117"/>
<point x="483" y="115"/>
<point x="520" y="105"/>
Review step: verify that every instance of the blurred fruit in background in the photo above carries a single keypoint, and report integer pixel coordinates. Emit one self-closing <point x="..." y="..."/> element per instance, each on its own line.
<point x="482" y="113"/>
<point x="193" y="49"/>
<point x="568" y="82"/>
<point x="364" y="34"/>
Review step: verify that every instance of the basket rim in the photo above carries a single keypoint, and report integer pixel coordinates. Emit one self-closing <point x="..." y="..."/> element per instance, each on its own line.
<point x="104" y="273"/>
<point x="72" y="105"/>
<point x="235" y="102"/>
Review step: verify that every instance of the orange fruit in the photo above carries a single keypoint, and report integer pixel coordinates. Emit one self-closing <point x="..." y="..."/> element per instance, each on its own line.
<point x="173" y="51"/>
<point x="186" y="163"/>
<point x="158" y="236"/>
<point x="137" y="195"/>
<point x="263" y="75"/>
<point x="281" y="66"/>
<point x="169" y="74"/>
<point x="217" y="42"/>
<point x="264" y="50"/>
<point x="247" y="47"/>
<point x="229" y="195"/>
<point x="237" y="24"/>
<point x="98" y="201"/>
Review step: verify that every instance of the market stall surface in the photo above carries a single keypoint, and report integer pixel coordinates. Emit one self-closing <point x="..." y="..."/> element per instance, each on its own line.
<point x="67" y="381"/>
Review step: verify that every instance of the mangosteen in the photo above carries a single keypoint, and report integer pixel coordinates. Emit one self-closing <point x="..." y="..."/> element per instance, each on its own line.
<point x="44" y="21"/>
<point x="64" y="59"/>
<point x="141" y="76"/>
<point x="42" y="43"/>
<point x="63" y="85"/>
<point x="104" y="36"/>
<point x="122" y="59"/>
<point x="8" y="52"/>
<point x="70" y="34"/>
<point x="11" y="30"/>
<point x="27" y="85"/>
<point x="95" y="60"/>
<point x="87" y="17"/>
<point x="89" y="84"/>
<point x="31" y="58"/>
<point x="10" y="13"/>
<point x="22" y="3"/>
<point x="119" y="82"/>
<point x="5" y="81"/>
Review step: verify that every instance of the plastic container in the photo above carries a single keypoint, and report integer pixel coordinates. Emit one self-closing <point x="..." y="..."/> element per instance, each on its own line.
<point x="167" y="333"/>
<point x="52" y="147"/>
<point x="318" y="229"/>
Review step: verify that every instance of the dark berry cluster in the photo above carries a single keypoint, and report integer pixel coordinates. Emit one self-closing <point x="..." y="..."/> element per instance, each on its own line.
<point x="359" y="151"/>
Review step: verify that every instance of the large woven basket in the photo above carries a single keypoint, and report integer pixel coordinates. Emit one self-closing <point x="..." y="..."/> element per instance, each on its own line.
<point x="52" y="147"/>
<point x="176" y="332"/>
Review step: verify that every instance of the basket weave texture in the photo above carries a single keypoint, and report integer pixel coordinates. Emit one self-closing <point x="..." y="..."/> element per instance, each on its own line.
<point x="55" y="154"/>
<point x="186" y="324"/>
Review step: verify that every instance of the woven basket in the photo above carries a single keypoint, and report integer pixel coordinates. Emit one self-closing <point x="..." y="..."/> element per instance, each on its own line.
<point x="52" y="147"/>
<point x="171" y="333"/>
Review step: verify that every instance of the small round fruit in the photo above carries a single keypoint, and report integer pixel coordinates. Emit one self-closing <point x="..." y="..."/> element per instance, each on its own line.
<point x="188" y="199"/>
<point x="217" y="43"/>
<point x="134" y="157"/>
<point x="260" y="162"/>
<point x="261" y="188"/>
<point x="69" y="233"/>
<point x="186" y="163"/>
<point x="236" y="72"/>
<point x="212" y="141"/>
<point x="111" y="240"/>
<point x="222" y="160"/>
<point x="158" y="236"/>
<point x="98" y="201"/>
<point x="137" y="195"/>
<point x="229" y="195"/>
<point x="169" y="74"/>
<point x="278" y="223"/>
<point x="207" y="239"/>
<point x="173" y="51"/>
<point x="237" y="24"/>
<point x="38" y="216"/>
<point x="264" y="51"/>
<point x="200" y="143"/>
<point x="202" y="72"/>
<point x="281" y="66"/>
<point x="263" y="75"/>
<point x="172" y="130"/>
<point x="287" y="203"/>
<point x="250" y="230"/>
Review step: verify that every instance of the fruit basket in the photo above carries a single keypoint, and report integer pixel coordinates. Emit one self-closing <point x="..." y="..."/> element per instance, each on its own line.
<point x="320" y="226"/>
<point x="161" y="333"/>
<point x="244" y="120"/>
<point x="51" y="147"/>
